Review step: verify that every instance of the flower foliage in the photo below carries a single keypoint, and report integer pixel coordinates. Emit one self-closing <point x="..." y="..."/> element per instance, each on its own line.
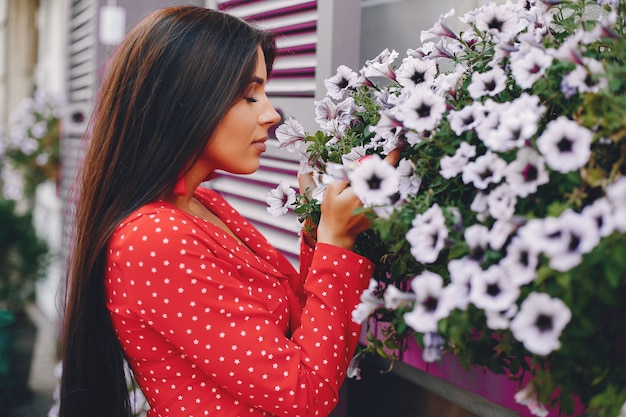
<point x="501" y="234"/>
<point x="29" y="145"/>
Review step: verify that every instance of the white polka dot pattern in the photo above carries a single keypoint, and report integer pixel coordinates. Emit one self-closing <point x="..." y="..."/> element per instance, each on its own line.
<point x="213" y="327"/>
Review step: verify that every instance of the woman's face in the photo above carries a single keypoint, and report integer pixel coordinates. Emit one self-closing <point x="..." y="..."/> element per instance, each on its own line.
<point x="240" y="137"/>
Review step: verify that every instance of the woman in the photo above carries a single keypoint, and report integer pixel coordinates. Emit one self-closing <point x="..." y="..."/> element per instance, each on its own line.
<point x="211" y="318"/>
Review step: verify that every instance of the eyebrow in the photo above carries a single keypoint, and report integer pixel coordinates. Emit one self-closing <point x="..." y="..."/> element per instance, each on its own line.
<point x="257" y="80"/>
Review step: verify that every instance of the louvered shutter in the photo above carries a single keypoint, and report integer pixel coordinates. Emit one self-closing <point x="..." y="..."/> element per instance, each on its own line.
<point x="85" y="56"/>
<point x="291" y="88"/>
<point x="81" y="73"/>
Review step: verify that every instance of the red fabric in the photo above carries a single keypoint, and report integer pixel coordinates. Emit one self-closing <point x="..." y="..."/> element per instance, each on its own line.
<point x="211" y="328"/>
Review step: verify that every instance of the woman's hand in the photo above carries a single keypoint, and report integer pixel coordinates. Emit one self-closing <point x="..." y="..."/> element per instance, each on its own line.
<point x="339" y="225"/>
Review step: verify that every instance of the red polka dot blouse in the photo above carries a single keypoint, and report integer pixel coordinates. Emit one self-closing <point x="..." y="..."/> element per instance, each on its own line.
<point x="214" y="327"/>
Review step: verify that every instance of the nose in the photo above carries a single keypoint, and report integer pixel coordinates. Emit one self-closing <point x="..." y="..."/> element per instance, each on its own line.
<point x="270" y="116"/>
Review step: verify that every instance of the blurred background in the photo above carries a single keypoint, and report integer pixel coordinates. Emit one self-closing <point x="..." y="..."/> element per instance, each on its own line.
<point x="51" y="52"/>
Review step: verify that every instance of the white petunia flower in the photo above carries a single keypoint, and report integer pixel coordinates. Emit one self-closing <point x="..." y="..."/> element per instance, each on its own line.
<point x="527" y="172"/>
<point x="499" y="233"/>
<point x="530" y="66"/>
<point x="461" y="273"/>
<point x="28" y="145"/>
<point x="479" y="203"/>
<point x="339" y="85"/>
<point x="387" y="129"/>
<point x="493" y="289"/>
<point x="39" y="129"/>
<point x="428" y="234"/>
<point x="521" y="261"/>
<point x="512" y="124"/>
<point x="565" y="145"/>
<point x="447" y="83"/>
<point x="568" y="50"/>
<point x="431" y="304"/>
<point x="581" y="234"/>
<point x="395" y="299"/>
<point x="501" y="202"/>
<point x="528" y="396"/>
<point x="369" y="303"/>
<point x="477" y="238"/>
<point x="290" y="134"/>
<point x="527" y="107"/>
<point x="584" y="79"/>
<point x="539" y="323"/>
<point x="545" y="235"/>
<point x="12" y="181"/>
<point x="374" y="181"/>
<point x="439" y="29"/>
<point x="353" y="156"/>
<point x="334" y="118"/>
<point x="380" y="66"/>
<point x="500" y="319"/>
<point x="336" y="172"/>
<point x="493" y="112"/>
<point x="612" y="4"/>
<point x="497" y="20"/>
<point x="409" y="182"/>
<point x="426" y="242"/>
<point x="507" y="134"/>
<point x="616" y="194"/>
<point x="138" y="403"/>
<point x="280" y="199"/>
<point x="433" y="347"/>
<point x="416" y="71"/>
<point x="467" y="118"/>
<point x="422" y="110"/>
<point x="489" y="83"/>
<point x="354" y="370"/>
<point x="485" y="170"/>
<point x="601" y="212"/>
<point x="451" y="166"/>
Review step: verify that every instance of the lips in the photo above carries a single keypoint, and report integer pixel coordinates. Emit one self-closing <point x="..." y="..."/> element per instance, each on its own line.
<point x="260" y="144"/>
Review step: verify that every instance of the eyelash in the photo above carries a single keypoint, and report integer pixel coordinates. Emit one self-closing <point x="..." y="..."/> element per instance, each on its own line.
<point x="251" y="100"/>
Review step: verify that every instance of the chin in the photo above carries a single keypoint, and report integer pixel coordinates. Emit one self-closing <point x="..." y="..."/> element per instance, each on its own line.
<point x="251" y="169"/>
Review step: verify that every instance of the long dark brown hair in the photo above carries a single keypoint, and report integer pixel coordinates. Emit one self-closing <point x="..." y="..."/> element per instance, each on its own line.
<point x="165" y="89"/>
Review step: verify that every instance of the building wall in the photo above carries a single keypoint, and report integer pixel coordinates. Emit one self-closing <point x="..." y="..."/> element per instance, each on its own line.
<point x="50" y="67"/>
<point x="396" y="24"/>
<point x="4" y="21"/>
<point x="18" y="53"/>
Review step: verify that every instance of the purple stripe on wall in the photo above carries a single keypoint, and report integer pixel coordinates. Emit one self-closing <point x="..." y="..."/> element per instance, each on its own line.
<point x="297" y="49"/>
<point x="293" y="72"/>
<point x="311" y="5"/>
<point x="300" y="27"/>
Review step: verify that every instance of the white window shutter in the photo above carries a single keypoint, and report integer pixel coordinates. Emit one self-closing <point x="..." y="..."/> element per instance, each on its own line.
<point x="292" y="84"/>
<point x="313" y="39"/>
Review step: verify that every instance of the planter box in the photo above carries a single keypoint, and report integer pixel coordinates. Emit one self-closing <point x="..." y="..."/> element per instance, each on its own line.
<point x="498" y="388"/>
<point x="477" y="390"/>
<point x="17" y="340"/>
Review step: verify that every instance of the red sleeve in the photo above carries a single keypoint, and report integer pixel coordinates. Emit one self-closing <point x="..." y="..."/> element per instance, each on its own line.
<point x="200" y="304"/>
<point x="306" y="258"/>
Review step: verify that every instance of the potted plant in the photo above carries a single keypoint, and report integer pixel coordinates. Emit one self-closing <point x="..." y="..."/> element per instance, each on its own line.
<point x="29" y="148"/>
<point x="30" y="145"/>
<point x="500" y="237"/>
<point x="22" y="260"/>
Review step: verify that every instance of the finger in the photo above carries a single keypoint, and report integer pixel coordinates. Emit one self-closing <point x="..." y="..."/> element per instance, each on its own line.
<point x="337" y="187"/>
<point x="306" y="183"/>
<point x="393" y="157"/>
